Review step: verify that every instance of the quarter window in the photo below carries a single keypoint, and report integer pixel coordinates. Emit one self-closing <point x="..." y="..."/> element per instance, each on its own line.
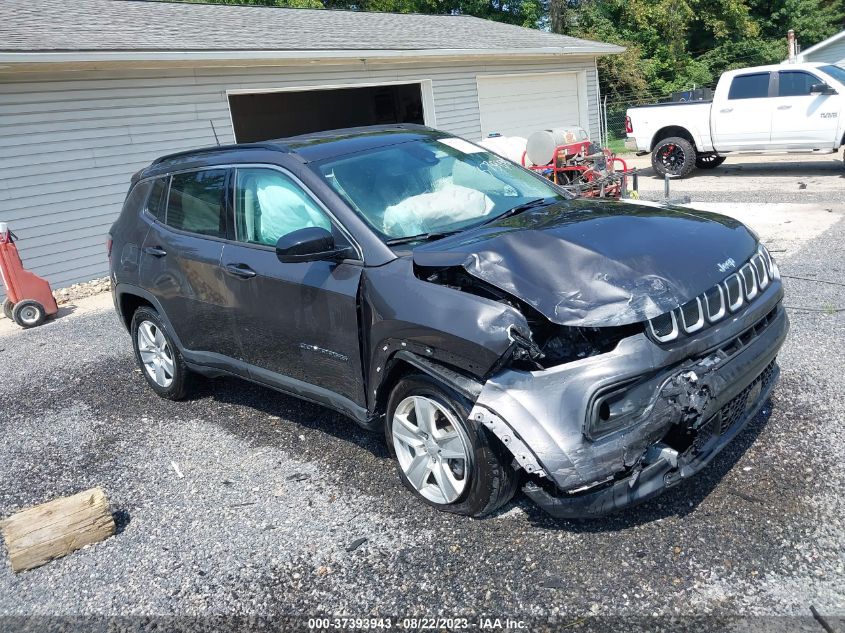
<point x="754" y="86"/>
<point x="269" y="205"/>
<point x="157" y="204"/>
<point x="135" y="199"/>
<point x="793" y="83"/>
<point x="197" y="202"/>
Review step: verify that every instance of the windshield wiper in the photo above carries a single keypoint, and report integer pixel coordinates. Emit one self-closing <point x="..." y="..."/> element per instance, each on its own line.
<point x="525" y="206"/>
<point x="422" y="237"/>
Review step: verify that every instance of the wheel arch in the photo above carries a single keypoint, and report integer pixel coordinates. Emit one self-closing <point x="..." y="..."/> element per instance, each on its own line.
<point x="129" y="303"/>
<point x="402" y="363"/>
<point x="669" y="131"/>
<point x="132" y="297"/>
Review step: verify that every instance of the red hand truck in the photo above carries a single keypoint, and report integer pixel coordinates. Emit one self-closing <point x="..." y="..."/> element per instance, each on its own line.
<point x="29" y="300"/>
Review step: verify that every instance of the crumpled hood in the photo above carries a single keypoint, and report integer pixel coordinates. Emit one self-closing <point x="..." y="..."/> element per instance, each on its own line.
<point x="599" y="263"/>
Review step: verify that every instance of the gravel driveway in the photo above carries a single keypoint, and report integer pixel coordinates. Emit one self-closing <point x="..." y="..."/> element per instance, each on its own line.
<point x="793" y="178"/>
<point x="275" y="492"/>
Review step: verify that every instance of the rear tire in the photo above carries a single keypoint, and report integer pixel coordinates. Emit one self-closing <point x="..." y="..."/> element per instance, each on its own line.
<point x="8" y="306"/>
<point x="476" y="479"/>
<point x="28" y="313"/>
<point x="158" y="357"/>
<point x="709" y="161"/>
<point x="674" y="156"/>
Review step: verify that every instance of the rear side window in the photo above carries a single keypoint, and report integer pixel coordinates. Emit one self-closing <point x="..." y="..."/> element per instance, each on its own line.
<point x="754" y="86"/>
<point x="157" y="203"/>
<point x="794" y="83"/>
<point x="197" y="202"/>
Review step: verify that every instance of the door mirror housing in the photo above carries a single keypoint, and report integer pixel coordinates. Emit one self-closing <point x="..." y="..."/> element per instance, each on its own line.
<point x="310" y="244"/>
<point x="822" y="89"/>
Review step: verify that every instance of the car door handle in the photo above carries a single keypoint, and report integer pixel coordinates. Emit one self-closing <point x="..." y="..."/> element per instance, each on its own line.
<point x="155" y="251"/>
<point x="726" y="110"/>
<point x="784" y="107"/>
<point x="240" y="270"/>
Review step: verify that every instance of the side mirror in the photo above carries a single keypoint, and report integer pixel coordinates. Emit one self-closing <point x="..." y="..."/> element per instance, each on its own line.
<point x="310" y="244"/>
<point x="822" y="89"/>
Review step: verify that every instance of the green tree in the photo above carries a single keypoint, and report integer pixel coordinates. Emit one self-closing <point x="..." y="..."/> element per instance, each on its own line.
<point x="670" y="44"/>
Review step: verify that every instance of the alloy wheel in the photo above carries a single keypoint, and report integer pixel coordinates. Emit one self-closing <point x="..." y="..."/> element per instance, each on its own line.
<point x="431" y="448"/>
<point x="156" y="354"/>
<point x="672" y="158"/>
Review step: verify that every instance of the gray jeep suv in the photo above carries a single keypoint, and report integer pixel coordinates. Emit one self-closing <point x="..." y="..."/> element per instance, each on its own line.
<point x="500" y="333"/>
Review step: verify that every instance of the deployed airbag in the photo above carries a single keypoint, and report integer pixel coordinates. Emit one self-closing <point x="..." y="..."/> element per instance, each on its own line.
<point x="450" y="204"/>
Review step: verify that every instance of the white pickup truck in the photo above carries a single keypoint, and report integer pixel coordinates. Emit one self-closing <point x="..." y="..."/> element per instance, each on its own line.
<point x="782" y="108"/>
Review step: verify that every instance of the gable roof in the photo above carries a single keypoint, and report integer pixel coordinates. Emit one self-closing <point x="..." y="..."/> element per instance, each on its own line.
<point x="823" y="44"/>
<point x="142" y="29"/>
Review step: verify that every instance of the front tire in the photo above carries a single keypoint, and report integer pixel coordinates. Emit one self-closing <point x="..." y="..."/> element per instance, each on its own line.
<point x="445" y="459"/>
<point x="674" y="156"/>
<point x="709" y="161"/>
<point x="158" y="357"/>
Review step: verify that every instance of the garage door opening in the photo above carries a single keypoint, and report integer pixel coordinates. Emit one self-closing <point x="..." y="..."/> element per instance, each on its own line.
<point x="269" y="115"/>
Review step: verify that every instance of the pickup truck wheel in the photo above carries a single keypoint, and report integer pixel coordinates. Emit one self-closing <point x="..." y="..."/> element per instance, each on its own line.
<point x="444" y="458"/>
<point x="674" y="156"/>
<point x="709" y="161"/>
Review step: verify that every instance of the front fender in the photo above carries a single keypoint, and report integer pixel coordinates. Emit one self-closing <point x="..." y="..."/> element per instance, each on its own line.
<point x="451" y="328"/>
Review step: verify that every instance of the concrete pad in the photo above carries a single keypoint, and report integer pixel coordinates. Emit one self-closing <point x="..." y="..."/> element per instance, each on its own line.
<point x="783" y="228"/>
<point x="67" y="311"/>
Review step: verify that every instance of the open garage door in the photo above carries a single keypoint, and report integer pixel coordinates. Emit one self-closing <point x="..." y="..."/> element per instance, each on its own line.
<point x="517" y="105"/>
<point x="260" y="116"/>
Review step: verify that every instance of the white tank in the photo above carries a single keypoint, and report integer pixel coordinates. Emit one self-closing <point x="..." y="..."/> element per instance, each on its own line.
<point x="510" y="147"/>
<point x="541" y="145"/>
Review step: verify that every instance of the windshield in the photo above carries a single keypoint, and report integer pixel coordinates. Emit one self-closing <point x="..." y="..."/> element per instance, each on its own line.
<point x="834" y="71"/>
<point x="432" y="186"/>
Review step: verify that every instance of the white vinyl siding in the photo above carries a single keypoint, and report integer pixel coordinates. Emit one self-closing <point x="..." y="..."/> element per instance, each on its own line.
<point x="833" y="53"/>
<point x="69" y="142"/>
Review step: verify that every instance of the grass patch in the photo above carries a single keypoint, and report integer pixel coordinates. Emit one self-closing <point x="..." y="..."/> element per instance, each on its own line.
<point x="617" y="146"/>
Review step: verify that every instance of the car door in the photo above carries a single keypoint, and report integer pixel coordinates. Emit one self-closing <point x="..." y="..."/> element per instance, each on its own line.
<point x="180" y="261"/>
<point x="298" y="322"/>
<point x="802" y="120"/>
<point x="743" y="121"/>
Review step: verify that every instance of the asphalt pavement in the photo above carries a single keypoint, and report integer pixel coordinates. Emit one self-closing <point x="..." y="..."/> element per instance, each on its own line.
<point x="276" y="495"/>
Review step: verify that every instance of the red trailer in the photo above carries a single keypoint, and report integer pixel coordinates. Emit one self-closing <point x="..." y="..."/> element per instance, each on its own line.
<point x="29" y="299"/>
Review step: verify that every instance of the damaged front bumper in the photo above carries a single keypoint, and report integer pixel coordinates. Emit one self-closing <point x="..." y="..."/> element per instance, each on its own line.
<point x="684" y="403"/>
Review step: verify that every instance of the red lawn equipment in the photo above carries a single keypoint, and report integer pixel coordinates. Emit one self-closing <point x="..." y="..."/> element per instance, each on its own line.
<point x="568" y="158"/>
<point x="29" y="299"/>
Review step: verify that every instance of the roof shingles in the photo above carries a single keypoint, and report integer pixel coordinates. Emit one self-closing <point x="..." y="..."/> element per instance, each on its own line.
<point x="139" y="25"/>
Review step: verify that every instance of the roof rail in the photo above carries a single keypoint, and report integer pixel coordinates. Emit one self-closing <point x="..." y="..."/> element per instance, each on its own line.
<point x="277" y="147"/>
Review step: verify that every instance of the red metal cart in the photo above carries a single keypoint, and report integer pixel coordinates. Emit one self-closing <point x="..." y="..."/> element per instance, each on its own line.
<point x="29" y="299"/>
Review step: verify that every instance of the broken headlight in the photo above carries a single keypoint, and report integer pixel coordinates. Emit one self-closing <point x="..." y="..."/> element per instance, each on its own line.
<point x="551" y="345"/>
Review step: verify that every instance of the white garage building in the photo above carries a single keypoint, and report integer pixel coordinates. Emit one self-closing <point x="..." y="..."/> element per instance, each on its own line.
<point x="831" y="50"/>
<point x="91" y="91"/>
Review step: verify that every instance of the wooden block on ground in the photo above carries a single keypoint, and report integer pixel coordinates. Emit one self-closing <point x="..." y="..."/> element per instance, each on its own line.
<point x="54" y="529"/>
